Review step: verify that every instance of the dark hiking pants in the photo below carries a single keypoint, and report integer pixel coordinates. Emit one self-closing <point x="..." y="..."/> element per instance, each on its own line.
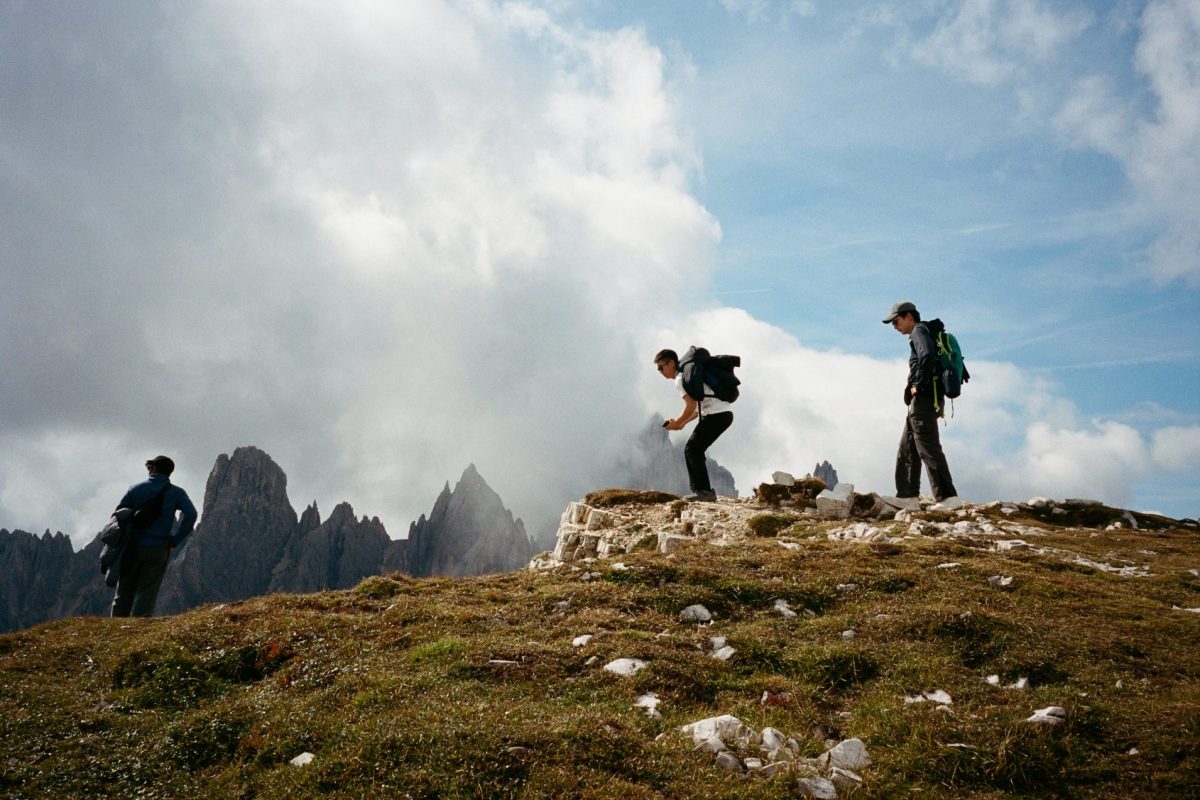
<point x="142" y="570"/>
<point x="920" y="443"/>
<point x="707" y="430"/>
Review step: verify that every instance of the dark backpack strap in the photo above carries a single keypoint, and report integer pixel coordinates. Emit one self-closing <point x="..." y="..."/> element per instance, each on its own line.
<point x="149" y="510"/>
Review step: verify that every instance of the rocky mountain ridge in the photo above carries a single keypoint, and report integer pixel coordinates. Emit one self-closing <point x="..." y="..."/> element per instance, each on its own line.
<point x="250" y="542"/>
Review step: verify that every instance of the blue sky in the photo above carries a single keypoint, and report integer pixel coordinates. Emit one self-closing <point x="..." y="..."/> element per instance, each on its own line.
<point x="382" y="241"/>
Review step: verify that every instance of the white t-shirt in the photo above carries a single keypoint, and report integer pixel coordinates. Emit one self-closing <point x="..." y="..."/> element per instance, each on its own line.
<point x="710" y="404"/>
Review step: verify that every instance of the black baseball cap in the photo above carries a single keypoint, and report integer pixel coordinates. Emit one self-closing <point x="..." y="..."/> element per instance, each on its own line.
<point x="161" y="464"/>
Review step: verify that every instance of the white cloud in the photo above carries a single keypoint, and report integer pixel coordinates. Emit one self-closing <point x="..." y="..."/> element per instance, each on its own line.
<point x="1177" y="447"/>
<point x="1159" y="149"/>
<point x="989" y="41"/>
<point x="1012" y="436"/>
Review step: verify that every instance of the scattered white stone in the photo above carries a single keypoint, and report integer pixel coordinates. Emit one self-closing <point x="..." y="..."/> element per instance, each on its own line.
<point x="1039" y="502"/>
<point x="773" y="739"/>
<point x="835" y="502"/>
<point x="1133" y="751"/>
<point x="1120" y="684"/>
<point x="791" y="545"/>
<point x="1004" y="545"/>
<point x="302" y="760"/>
<point x="817" y="788"/>
<point x="1002" y="581"/>
<point x="625" y="667"/>
<point x="1008" y="509"/>
<point x="949" y="565"/>
<point x="850" y="754"/>
<point x="846" y="588"/>
<point x="848" y="634"/>
<point x="783" y="478"/>
<point x="781" y="606"/>
<point x="752" y="763"/>
<point x="581" y="641"/>
<point x="717" y="642"/>
<point x="563" y="605"/>
<point x="994" y="680"/>
<point x="618" y="566"/>
<point x="724" y="654"/>
<point x="650" y="702"/>
<point x="1019" y="684"/>
<point x="726" y="727"/>
<point x="1050" y="715"/>
<point x="1193" y="610"/>
<point x="776" y="768"/>
<point x="591" y="661"/>
<point x="695" y="613"/>
<point x="1195" y="573"/>
<point x="517" y="750"/>
<point x="712" y="744"/>
<point x="937" y="696"/>
<point x="845" y="780"/>
<point x="501" y="662"/>
<point x="727" y="760"/>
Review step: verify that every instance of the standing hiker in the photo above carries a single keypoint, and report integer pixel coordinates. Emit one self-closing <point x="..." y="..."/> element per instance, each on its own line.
<point x="708" y="379"/>
<point x="155" y="531"/>
<point x="920" y="441"/>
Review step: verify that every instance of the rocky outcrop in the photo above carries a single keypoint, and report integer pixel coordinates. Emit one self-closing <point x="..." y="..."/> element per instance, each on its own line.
<point x="827" y="473"/>
<point x="468" y="532"/>
<point x="35" y="570"/>
<point x="655" y="463"/>
<point x="249" y="542"/>
<point x="335" y="554"/>
<point x="246" y="525"/>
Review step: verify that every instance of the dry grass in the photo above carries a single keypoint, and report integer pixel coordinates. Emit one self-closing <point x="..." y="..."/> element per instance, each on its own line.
<point x="393" y="685"/>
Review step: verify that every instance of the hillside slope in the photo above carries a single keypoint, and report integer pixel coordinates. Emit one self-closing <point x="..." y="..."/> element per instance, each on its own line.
<point x="482" y="687"/>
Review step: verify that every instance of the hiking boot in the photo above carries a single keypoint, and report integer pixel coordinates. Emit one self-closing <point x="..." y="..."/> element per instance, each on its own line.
<point x="903" y="503"/>
<point x="949" y="504"/>
<point x="703" y="497"/>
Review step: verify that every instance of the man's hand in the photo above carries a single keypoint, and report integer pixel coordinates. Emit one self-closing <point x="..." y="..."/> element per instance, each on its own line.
<point x="914" y="391"/>
<point x="673" y="425"/>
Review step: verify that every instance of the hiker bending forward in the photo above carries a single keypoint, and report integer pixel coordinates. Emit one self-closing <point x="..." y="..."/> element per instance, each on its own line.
<point x="715" y="417"/>
<point x="920" y="441"/>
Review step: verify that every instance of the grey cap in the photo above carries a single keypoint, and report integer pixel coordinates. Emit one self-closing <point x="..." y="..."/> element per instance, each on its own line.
<point x="903" y="307"/>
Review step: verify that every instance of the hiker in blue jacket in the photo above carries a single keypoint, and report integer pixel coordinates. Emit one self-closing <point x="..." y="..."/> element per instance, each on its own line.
<point x="920" y="442"/>
<point x="715" y="416"/>
<point x="144" y="562"/>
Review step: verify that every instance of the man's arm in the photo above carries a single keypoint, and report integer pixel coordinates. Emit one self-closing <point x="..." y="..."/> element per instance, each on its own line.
<point x="690" y="409"/>
<point x="188" y="520"/>
<point x="924" y="348"/>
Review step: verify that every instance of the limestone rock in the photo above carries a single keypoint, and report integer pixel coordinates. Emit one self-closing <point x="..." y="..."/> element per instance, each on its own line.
<point x="695" y="613"/>
<point x="835" y="503"/>
<point x="1049" y="716"/>
<point x="625" y="667"/>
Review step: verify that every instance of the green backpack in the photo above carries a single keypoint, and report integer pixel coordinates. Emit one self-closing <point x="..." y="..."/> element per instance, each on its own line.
<point x="952" y="371"/>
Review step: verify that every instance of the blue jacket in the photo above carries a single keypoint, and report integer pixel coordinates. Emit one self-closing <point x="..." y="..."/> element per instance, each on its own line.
<point x="162" y="530"/>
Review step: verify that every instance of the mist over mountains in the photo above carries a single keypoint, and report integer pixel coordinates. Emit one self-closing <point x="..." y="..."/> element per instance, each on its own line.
<point x="250" y="541"/>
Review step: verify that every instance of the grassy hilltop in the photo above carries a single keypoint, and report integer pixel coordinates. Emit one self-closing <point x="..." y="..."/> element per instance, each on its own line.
<point x="473" y="688"/>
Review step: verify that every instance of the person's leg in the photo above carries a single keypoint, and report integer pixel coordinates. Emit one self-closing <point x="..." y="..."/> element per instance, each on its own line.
<point x="908" y="463"/>
<point x="929" y="445"/>
<point x="154" y="566"/>
<point x="126" y="583"/>
<point x="708" y="429"/>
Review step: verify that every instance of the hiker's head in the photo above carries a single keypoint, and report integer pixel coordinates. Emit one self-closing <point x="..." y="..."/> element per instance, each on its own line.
<point x="667" y="362"/>
<point x="903" y="316"/>
<point x="160" y="465"/>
